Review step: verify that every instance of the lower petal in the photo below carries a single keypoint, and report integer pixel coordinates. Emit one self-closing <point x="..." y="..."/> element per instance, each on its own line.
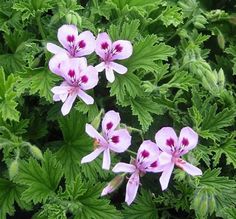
<point x="189" y="168"/>
<point x="110" y="75"/>
<point x="132" y="188"/>
<point x="85" y="97"/>
<point x="165" y="158"/>
<point x="124" y="167"/>
<point x="92" y="155"/>
<point x="106" y="163"/>
<point x="100" y="67"/>
<point x="118" y="68"/>
<point x="165" y="176"/>
<point x="66" y="107"/>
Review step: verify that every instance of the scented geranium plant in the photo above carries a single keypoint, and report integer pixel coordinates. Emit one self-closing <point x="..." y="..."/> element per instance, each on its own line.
<point x="117" y="109"/>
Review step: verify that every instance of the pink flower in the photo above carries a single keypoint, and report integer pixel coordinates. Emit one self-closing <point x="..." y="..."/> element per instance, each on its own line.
<point x="108" y="51"/>
<point x="173" y="148"/>
<point x="78" y="78"/>
<point x="110" y="139"/>
<point x="74" y="45"/>
<point x="146" y="161"/>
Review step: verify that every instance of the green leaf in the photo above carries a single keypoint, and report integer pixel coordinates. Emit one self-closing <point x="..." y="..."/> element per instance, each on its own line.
<point x="126" y="85"/>
<point x="172" y="15"/>
<point x="41" y="180"/>
<point x="146" y="52"/>
<point x="143" y="107"/>
<point x="40" y="81"/>
<point x="76" y="145"/>
<point x="128" y="31"/>
<point x="8" y="103"/>
<point x="213" y="193"/>
<point x="228" y="148"/>
<point x="143" y="207"/>
<point x="10" y="193"/>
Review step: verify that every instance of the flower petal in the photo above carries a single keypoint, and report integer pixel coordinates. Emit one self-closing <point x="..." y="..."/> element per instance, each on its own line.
<point x="118" y="68"/>
<point x="165" y="158"/>
<point x="67" y="35"/>
<point x="103" y="45"/>
<point x="109" y="74"/>
<point x="187" y="167"/>
<point x="107" y="190"/>
<point x="147" y="157"/>
<point x="132" y="188"/>
<point x="106" y="163"/>
<point x="100" y="67"/>
<point x="110" y="121"/>
<point x="166" y="138"/>
<point x="92" y="132"/>
<point x="85" y="44"/>
<point x="120" y="140"/>
<point x="56" y="62"/>
<point x="85" y="97"/>
<point x="92" y="155"/>
<point x="124" y="167"/>
<point x="89" y="78"/>
<point x="123" y="49"/>
<point x="187" y="139"/>
<point x="66" y="107"/>
<point x="53" y="48"/>
<point x="165" y="176"/>
<point x="71" y="69"/>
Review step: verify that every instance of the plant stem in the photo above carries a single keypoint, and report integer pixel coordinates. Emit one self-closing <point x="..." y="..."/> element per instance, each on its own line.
<point x="132" y="152"/>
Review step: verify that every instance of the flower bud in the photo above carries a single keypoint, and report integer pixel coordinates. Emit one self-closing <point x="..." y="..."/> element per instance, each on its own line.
<point x="113" y="185"/>
<point x="221" y="78"/>
<point x="97" y="120"/>
<point x="13" y="169"/>
<point x="221" y="40"/>
<point x="36" y="152"/>
<point x="69" y="18"/>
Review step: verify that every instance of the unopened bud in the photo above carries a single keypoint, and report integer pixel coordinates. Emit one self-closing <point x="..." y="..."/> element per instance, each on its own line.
<point x="13" y="169"/>
<point x="232" y="19"/>
<point x="36" y="152"/>
<point x="113" y="185"/>
<point x="221" y="40"/>
<point x="221" y="78"/>
<point x="97" y="120"/>
<point x="69" y="18"/>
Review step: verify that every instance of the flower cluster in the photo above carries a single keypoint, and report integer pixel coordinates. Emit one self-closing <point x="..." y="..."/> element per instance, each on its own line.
<point x="161" y="156"/>
<point x="70" y="64"/>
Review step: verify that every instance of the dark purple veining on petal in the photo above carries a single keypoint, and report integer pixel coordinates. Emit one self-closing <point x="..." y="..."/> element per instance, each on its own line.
<point x="115" y="139"/>
<point x="118" y="48"/>
<point x="185" y="142"/>
<point x="109" y="125"/>
<point x="71" y="73"/>
<point x="70" y="38"/>
<point x="154" y="164"/>
<point x="84" y="79"/>
<point x="145" y="154"/>
<point x="81" y="44"/>
<point x="104" y="45"/>
<point x="170" y="142"/>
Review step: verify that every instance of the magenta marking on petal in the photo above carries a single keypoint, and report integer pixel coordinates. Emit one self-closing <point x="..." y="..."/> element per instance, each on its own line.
<point x="118" y="48"/>
<point x="104" y="45"/>
<point x="154" y="164"/>
<point x="170" y="142"/>
<point x="115" y="139"/>
<point x="84" y="79"/>
<point x="109" y="125"/>
<point x="71" y="73"/>
<point x="81" y="44"/>
<point x="185" y="142"/>
<point x="70" y="38"/>
<point x="145" y="154"/>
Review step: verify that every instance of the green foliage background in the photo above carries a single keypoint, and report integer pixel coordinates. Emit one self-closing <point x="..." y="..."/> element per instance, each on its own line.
<point x="182" y="73"/>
